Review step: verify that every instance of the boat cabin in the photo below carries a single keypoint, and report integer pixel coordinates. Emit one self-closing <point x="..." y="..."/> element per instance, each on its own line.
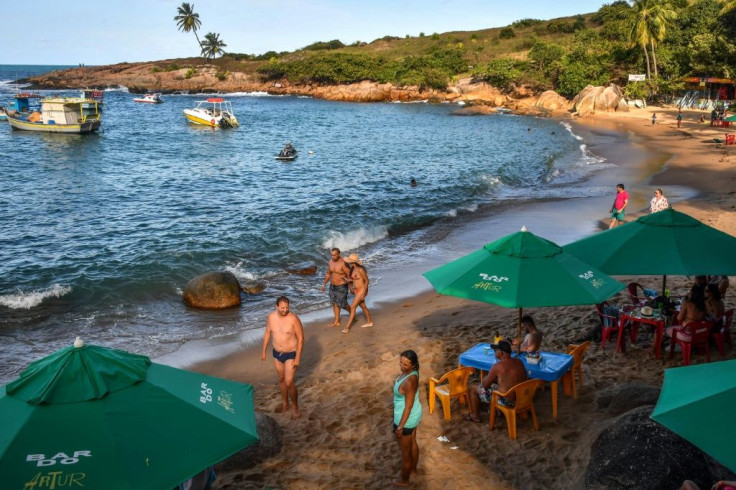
<point x="62" y="110"/>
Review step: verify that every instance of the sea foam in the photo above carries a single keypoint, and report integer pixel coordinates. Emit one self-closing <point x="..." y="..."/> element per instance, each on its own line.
<point x="30" y="299"/>
<point x="355" y="238"/>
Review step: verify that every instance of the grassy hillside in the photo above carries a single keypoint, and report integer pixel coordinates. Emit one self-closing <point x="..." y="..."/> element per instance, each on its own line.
<point x="563" y="54"/>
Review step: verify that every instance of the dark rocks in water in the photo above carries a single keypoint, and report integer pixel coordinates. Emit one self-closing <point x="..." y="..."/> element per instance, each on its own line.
<point x="635" y="452"/>
<point x="213" y="291"/>
<point x="621" y="398"/>
<point x="303" y="269"/>
<point x="270" y="440"/>
<point x="252" y="287"/>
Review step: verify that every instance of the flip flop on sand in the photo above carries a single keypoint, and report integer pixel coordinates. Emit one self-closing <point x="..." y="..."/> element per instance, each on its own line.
<point x="469" y="418"/>
<point x="333" y="325"/>
<point x="367" y="325"/>
<point x="345" y="330"/>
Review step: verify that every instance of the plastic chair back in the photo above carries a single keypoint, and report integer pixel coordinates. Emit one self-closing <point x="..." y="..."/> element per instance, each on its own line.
<point x="524" y="393"/>
<point x="453" y="384"/>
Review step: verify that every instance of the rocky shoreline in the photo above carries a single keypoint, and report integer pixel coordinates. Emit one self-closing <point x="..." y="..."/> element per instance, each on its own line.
<point x="208" y="78"/>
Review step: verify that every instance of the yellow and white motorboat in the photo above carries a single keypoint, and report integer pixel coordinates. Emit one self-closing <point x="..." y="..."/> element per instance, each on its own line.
<point x="215" y="112"/>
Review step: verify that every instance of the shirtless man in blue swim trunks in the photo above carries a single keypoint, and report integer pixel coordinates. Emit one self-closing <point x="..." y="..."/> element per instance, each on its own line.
<point x="288" y="341"/>
<point x="338" y="275"/>
<point x="506" y="373"/>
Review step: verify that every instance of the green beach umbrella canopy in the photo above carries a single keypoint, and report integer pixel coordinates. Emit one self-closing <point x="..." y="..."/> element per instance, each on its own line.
<point x="731" y="118"/>
<point x="94" y="417"/>
<point x="667" y="242"/>
<point x="696" y="402"/>
<point x="523" y="270"/>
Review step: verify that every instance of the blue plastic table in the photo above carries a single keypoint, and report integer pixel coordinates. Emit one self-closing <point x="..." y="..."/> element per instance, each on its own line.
<point x="552" y="366"/>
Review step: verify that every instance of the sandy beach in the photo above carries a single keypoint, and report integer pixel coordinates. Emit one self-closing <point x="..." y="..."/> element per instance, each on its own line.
<point x="344" y="438"/>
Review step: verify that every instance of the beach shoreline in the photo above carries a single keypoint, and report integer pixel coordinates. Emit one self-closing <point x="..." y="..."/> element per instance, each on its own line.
<point x="343" y="439"/>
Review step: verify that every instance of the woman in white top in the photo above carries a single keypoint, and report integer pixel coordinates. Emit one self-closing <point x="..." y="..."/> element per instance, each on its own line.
<point x="659" y="202"/>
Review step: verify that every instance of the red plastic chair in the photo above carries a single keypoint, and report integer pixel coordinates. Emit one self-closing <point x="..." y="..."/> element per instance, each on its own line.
<point x="730" y="139"/>
<point x="614" y="326"/>
<point x="721" y="332"/>
<point x="636" y="293"/>
<point x="692" y="335"/>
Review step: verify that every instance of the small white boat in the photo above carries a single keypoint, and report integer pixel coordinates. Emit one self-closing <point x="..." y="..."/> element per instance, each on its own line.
<point x="72" y="115"/>
<point x="214" y="112"/>
<point x="149" y="99"/>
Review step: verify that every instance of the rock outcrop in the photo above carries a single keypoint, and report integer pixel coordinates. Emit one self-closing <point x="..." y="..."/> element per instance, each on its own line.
<point x="601" y="99"/>
<point x="621" y="398"/>
<point x="213" y="291"/>
<point x="552" y="101"/>
<point x="270" y="440"/>
<point x="636" y="452"/>
<point x="167" y="77"/>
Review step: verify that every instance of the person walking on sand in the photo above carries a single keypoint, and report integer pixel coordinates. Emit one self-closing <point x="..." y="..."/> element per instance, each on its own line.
<point x="654" y="118"/>
<point x="338" y="274"/>
<point x="407" y="414"/>
<point x="679" y="119"/>
<point x="618" y="212"/>
<point x="659" y="202"/>
<point x="359" y="287"/>
<point x="288" y="340"/>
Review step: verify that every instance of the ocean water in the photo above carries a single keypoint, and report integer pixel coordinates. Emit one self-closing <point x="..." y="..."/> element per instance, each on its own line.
<point x="101" y="232"/>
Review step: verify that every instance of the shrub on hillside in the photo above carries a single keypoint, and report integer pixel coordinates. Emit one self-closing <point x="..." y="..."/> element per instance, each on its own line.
<point x="322" y="46"/>
<point x="506" y="33"/>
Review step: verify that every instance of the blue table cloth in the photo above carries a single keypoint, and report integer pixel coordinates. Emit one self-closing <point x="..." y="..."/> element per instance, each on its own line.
<point x="551" y="367"/>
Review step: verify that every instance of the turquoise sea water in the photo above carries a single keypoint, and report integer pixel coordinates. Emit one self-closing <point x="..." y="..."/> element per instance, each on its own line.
<point x="101" y="232"/>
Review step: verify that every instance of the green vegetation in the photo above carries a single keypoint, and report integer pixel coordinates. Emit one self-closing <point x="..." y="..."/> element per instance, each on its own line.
<point x="190" y="72"/>
<point x="212" y="45"/>
<point x="187" y="20"/>
<point x="665" y="39"/>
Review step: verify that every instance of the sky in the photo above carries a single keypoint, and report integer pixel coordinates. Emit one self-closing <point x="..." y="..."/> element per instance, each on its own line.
<point x="69" y="32"/>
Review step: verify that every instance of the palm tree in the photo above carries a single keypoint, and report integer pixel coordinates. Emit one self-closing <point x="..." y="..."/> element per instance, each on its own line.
<point x="212" y="45"/>
<point x="649" y="28"/>
<point x="187" y="20"/>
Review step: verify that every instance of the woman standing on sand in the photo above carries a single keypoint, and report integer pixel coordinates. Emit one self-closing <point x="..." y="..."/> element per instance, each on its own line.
<point x="359" y="287"/>
<point x="659" y="202"/>
<point x="407" y="414"/>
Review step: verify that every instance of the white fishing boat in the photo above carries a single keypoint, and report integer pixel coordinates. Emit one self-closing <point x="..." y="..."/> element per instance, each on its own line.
<point x="149" y="99"/>
<point x="214" y="112"/>
<point x="73" y="115"/>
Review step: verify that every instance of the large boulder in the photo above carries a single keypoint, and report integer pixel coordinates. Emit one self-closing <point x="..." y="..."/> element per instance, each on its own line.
<point x="270" y="440"/>
<point x="636" y="452"/>
<point x="213" y="291"/>
<point x="552" y="101"/>
<point x="597" y="99"/>
<point x="620" y="398"/>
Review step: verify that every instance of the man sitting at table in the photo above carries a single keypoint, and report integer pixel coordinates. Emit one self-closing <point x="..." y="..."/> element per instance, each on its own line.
<point x="532" y="340"/>
<point x="506" y="373"/>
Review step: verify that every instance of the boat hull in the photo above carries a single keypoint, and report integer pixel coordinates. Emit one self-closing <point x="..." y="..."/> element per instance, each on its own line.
<point x="287" y="159"/>
<point x="199" y="118"/>
<point x="82" y="128"/>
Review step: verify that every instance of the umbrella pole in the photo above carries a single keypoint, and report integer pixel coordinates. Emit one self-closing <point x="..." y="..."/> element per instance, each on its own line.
<point x="664" y="283"/>
<point x="518" y="332"/>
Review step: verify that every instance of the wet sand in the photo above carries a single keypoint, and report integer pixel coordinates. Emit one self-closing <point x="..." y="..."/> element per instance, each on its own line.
<point x="344" y="439"/>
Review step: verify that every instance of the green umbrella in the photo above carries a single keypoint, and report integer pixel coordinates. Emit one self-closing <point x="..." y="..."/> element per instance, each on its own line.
<point x="731" y="118"/>
<point x="697" y="403"/>
<point x="663" y="243"/>
<point x="94" y="417"/>
<point x="523" y="270"/>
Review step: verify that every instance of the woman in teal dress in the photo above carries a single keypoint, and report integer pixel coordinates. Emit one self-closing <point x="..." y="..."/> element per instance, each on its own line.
<point x="407" y="414"/>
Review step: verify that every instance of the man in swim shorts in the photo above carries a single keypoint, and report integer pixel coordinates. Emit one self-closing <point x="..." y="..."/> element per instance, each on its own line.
<point x="618" y="210"/>
<point x="288" y="340"/>
<point x="338" y="274"/>
<point x="505" y="373"/>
